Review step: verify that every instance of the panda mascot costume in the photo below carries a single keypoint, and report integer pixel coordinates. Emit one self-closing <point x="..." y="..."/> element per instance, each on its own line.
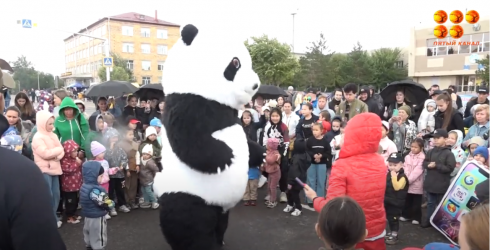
<point x="206" y="155"/>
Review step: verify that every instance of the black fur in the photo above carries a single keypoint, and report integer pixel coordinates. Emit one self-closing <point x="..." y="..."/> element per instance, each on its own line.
<point x="189" y="135"/>
<point x="257" y="152"/>
<point x="188" y="223"/>
<point x="232" y="69"/>
<point x="188" y="33"/>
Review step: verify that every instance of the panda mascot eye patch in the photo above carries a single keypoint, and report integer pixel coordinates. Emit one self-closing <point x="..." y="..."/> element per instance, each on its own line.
<point x="206" y="154"/>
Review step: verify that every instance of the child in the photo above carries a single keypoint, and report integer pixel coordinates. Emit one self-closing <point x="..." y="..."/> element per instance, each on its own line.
<point x="324" y="119"/>
<point x="299" y="167"/>
<point x="415" y="173"/>
<point x="131" y="149"/>
<point x="132" y="124"/>
<point x="272" y="161"/>
<point x="341" y="224"/>
<point x="118" y="163"/>
<point x="439" y="163"/>
<point x="388" y="145"/>
<point x="480" y="128"/>
<point x="318" y="149"/>
<point x="151" y="138"/>
<point x="147" y="174"/>
<point x="98" y="151"/>
<point x="472" y="145"/>
<point x="95" y="205"/>
<point x="96" y="125"/>
<point x="454" y="140"/>
<point x="426" y="121"/>
<point x="71" y="180"/>
<point x="336" y="121"/>
<point x="481" y="156"/>
<point x="109" y="119"/>
<point x="157" y="124"/>
<point x="395" y="194"/>
<point x="337" y="142"/>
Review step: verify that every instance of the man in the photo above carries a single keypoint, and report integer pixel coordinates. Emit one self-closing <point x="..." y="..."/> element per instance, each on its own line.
<point x="290" y="94"/>
<point x="351" y="106"/>
<point x="433" y="88"/>
<point x="482" y="99"/>
<point x="38" y="93"/>
<point x="321" y="106"/>
<point x="365" y="96"/>
<point x="336" y="100"/>
<point x="434" y="94"/>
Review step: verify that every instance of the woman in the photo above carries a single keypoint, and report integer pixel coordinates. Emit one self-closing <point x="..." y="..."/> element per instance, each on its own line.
<point x="27" y="112"/>
<point x="58" y="97"/>
<point x="280" y="102"/>
<point x="303" y="129"/>
<point x="71" y="124"/>
<point x="403" y="131"/>
<point x="400" y="100"/>
<point x="337" y="98"/>
<point x="446" y="117"/>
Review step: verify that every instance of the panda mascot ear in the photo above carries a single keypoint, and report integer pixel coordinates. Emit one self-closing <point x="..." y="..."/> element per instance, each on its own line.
<point x="188" y="33"/>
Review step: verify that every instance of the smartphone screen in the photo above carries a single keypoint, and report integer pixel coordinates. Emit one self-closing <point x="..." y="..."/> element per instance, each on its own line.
<point x="299" y="182"/>
<point x="395" y="112"/>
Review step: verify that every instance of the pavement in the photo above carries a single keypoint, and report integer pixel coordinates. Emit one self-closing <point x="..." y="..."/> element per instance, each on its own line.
<point x="249" y="228"/>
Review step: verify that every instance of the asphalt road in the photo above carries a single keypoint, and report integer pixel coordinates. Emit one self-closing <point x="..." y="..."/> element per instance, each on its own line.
<point x="249" y="228"/>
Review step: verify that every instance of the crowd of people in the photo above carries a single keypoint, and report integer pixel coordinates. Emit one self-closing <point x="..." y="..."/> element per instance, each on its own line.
<point x="387" y="159"/>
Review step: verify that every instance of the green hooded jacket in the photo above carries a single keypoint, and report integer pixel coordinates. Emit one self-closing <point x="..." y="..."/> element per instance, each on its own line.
<point x="94" y="135"/>
<point x="75" y="129"/>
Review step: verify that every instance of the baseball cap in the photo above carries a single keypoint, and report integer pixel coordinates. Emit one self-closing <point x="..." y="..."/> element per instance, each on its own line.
<point x="482" y="90"/>
<point x="131" y="119"/>
<point x="439" y="133"/>
<point x="386" y="125"/>
<point x="364" y="89"/>
<point x="436" y="92"/>
<point x="395" y="158"/>
<point x="156" y="122"/>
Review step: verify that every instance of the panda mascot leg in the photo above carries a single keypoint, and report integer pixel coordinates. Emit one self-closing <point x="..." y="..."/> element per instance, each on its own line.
<point x="205" y="152"/>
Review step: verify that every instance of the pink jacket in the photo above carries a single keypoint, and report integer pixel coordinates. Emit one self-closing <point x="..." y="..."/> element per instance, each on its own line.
<point x="46" y="147"/>
<point x="415" y="172"/>
<point x="388" y="148"/>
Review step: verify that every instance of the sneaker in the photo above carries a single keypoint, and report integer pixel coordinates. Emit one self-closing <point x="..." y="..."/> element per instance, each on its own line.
<point x="414" y="222"/>
<point x="134" y="206"/>
<point x="107" y="217"/>
<point x="388" y="235"/>
<point x="73" y="220"/>
<point x="296" y="212"/>
<point x="113" y="212"/>
<point x="59" y="223"/>
<point x="246" y="203"/>
<point x="145" y="205"/>
<point x="288" y="209"/>
<point x="78" y="217"/>
<point x="392" y="240"/>
<point x="272" y="204"/>
<point x="141" y="200"/>
<point x="124" y="209"/>
<point x="253" y="203"/>
<point x="267" y="198"/>
<point x="262" y="181"/>
<point x="155" y="205"/>
<point x="283" y="198"/>
<point x="403" y="219"/>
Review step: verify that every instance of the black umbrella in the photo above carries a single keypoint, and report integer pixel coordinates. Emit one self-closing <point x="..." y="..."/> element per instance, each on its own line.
<point x="270" y="92"/>
<point x="111" y="88"/>
<point x="151" y="91"/>
<point x="414" y="92"/>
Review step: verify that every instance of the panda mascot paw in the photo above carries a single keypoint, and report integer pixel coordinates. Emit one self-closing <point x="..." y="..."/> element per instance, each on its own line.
<point x="205" y="151"/>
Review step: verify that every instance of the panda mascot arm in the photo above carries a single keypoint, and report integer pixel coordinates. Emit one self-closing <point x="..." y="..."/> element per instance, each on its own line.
<point x="205" y="152"/>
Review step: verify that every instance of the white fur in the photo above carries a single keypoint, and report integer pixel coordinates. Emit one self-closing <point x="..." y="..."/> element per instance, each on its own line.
<point x="224" y="189"/>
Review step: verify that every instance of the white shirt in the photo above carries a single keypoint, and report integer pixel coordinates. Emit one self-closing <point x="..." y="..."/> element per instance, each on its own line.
<point x="291" y="121"/>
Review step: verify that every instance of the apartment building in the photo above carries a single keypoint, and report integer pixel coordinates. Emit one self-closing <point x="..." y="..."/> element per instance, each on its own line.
<point x="448" y="61"/>
<point x="142" y="41"/>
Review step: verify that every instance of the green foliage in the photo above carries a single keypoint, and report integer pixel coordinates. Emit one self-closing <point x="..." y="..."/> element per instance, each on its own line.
<point x="26" y="76"/>
<point x="117" y="74"/>
<point x="385" y="66"/>
<point x="483" y="74"/>
<point x="272" y="60"/>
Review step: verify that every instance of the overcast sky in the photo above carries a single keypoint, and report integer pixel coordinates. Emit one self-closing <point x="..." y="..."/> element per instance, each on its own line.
<point x="376" y="24"/>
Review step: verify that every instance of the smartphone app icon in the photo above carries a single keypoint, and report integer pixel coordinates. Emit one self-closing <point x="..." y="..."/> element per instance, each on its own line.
<point x="472" y="202"/>
<point x="459" y="194"/>
<point x="468" y="181"/>
<point x="451" y="208"/>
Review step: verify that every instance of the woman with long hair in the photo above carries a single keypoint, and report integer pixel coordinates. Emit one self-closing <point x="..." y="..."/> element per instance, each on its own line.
<point x="24" y="104"/>
<point x="446" y="117"/>
<point x="58" y="97"/>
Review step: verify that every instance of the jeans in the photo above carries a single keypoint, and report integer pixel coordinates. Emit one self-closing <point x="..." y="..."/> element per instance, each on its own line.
<point x="54" y="189"/>
<point x="432" y="201"/>
<point x="316" y="178"/>
<point x="148" y="193"/>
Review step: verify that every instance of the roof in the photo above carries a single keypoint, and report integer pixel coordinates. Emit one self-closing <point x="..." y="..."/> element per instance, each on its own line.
<point x="129" y="17"/>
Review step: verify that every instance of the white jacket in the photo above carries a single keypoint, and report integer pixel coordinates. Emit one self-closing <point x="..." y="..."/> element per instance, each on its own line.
<point x="291" y="121"/>
<point x="426" y="118"/>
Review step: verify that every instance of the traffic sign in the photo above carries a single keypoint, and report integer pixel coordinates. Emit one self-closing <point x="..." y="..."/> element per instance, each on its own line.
<point x="108" y="61"/>
<point x="26" y="23"/>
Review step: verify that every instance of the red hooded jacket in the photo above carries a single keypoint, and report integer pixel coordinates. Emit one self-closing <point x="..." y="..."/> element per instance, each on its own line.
<point x="360" y="172"/>
<point x="71" y="179"/>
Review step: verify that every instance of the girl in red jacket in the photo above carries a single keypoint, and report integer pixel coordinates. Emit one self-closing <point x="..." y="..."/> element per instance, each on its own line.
<point x="71" y="180"/>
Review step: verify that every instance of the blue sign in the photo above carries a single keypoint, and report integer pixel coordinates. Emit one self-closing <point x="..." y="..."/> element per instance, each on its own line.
<point x="466" y="67"/>
<point x="26" y="23"/>
<point x="474" y="57"/>
<point x="108" y="61"/>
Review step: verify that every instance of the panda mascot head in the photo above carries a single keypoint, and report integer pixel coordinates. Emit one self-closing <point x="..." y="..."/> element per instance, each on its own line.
<point x="207" y="78"/>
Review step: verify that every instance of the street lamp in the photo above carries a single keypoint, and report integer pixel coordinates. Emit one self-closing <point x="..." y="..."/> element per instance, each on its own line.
<point x="293" y="14"/>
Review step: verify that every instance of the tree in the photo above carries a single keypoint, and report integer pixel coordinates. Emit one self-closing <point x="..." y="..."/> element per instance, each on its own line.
<point x="386" y="68"/>
<point x="358" y="67"/>
<point x="27" y="77"/>
<point x="483" y="73"/>
<point x="117" y="74"/>
<point x="272" y="60"/>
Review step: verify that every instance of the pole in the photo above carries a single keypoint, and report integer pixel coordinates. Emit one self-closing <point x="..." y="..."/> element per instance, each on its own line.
<point x="38" y="80"/>
<point x="107" y="69"/>
<point x="293" y="14"/>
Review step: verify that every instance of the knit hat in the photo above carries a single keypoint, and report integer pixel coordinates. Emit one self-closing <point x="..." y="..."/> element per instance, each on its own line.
<point x="155" y="122"/>
<point x="407" y="109"/>
<point x="147" y="149"/>
<point x="386" y="125"/>
<point x="272" y="143"/>
<point x="483" y="151"/>
<point x="150" y="131"/>
<point x="476" y="140"/>
<point x="432" y="103"/>
<point x="96" y="148"/>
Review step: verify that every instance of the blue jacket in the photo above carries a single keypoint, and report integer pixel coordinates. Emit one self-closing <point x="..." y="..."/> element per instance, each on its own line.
<point x="93" y="197"/>
<point x="476" y="130"/>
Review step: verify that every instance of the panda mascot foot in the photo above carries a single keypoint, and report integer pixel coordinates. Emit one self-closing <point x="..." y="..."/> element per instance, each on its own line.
<point x="205" y="151"/>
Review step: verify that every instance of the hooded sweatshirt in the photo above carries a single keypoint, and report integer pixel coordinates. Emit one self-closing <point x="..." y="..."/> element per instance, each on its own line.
<point x="94" y="134"/>
<point x="71" y="179"/>
<point x="75" y="129"/>
<point x="475" y="140"/>
<point x="46" y="147"/>
<point x="426" y="121"/>
<point x="458" y="152"/>
<point x="93" y="197"/>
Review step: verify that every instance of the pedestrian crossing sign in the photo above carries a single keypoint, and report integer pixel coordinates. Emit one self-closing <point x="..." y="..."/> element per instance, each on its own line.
<point x="108" y="61"/>
<point x="26" y="23"/>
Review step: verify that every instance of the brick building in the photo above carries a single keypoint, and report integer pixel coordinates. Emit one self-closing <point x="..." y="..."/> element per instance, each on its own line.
<point x="141" y="40"/>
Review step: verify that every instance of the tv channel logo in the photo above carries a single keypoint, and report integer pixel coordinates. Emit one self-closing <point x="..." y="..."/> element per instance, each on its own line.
<point x="459" y="194"/>
<point x="451" y="208"/>
<point x="468" y="181"/>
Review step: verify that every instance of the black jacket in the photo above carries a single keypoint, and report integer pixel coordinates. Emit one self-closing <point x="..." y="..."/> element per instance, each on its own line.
<point x="251" y="129"/>
<point x="373" y="106"/>
<point x="333" y="103"/>
<point x="26" y="210"/>
<point x="438" y="179"/>
<point x="455" y="123"/>
<point x="470" y="104"/>
<point x="395" y="198"/>
<point x="304" y="133"/>
<point x="299" y="165"/>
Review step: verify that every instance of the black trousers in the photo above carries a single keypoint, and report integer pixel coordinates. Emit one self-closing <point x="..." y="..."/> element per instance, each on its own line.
<point x="116" y="190"/>
<point x="393" y="216"/>
<point x="60" y="204"/>
<point x="283" y="182"/>
<point x="71" y="203"/>
<point x="293" y="198"/>
<point x="412" y="209"/>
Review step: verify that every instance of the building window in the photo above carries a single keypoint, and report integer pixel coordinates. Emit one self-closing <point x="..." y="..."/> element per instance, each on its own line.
<point x="399" y="64"/>
<point x="128" y="47"/>
<point x="145" y="65"/>
<point x="127" y="31"/>
<point x="145" y="32"/>
<point x="145" y="48"/>
<point x="162" y="34"/>
<point x="162" y="49"/>
<point x="146" y="80"/>
<point x="160" y="66"/>
<point x="159" y="79"/>
<point x="486" y="42"/>
<point x="475" y="43"/>
<point x="130" y="64"/>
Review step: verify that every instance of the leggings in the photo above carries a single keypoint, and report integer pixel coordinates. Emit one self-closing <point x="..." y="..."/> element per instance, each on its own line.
<point x="283" y="182"/>
<point x="272" y="184"/>
<point x="293" y="198"/>
<point x="116" y="190"/>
